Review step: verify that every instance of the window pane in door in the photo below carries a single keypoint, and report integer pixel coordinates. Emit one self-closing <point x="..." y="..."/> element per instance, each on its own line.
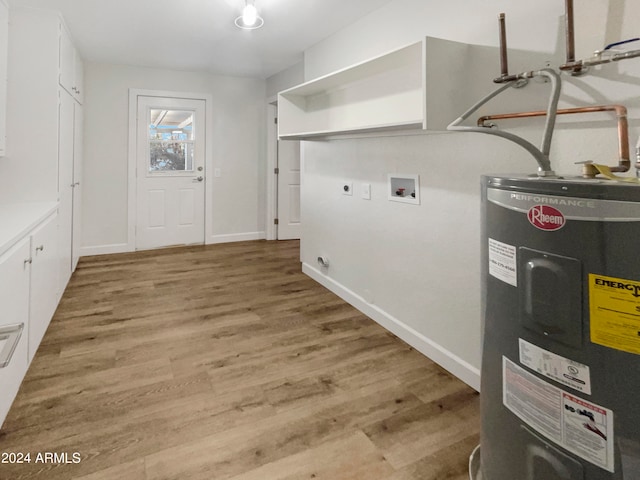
<point x="171" y="138"/>
<point x="170" y="156"/>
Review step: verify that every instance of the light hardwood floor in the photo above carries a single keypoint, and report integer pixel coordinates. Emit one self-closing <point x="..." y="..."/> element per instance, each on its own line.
<point x="226" y="362"/>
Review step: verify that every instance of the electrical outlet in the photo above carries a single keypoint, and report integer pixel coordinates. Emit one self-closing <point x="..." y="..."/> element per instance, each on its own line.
<point x="347" y="188"/>
<point x="366" y="191"/>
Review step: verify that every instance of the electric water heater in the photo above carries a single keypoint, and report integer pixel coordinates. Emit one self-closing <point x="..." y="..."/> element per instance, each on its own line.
<point x="561" y="329"/>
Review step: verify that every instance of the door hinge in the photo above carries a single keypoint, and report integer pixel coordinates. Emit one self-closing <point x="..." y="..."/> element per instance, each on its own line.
<point x="276" y="171"/>
<point x="275" y="120"/>
<point x="276" y="221"/>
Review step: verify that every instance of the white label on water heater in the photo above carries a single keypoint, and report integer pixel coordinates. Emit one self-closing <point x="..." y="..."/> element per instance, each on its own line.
<point x="580" y="426"/>
<point x="502" y="262"/>
<point x="561" y="369"/>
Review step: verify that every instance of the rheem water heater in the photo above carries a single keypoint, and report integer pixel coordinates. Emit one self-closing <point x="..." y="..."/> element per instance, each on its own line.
<point x="561" y="343"/>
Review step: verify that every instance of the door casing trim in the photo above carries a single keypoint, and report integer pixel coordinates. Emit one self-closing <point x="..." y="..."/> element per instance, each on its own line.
<point x="272" y="160"/>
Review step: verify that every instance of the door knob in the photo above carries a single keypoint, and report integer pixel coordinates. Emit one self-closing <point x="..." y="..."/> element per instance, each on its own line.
<point x="199" y="179"/>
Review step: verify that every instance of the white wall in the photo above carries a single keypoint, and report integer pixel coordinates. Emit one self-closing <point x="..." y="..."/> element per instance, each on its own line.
<point x="537" y="26"/>
<point x="290" y="77"/>
<point x="238" y="150"/>
<point x="416" y="269"/>
<point x="29" y="172"/>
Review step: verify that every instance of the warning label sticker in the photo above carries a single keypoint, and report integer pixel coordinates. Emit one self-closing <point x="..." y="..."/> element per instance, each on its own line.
<point x="502" y="262"/>
<point x="568" y="372"/>
<point x="582" y="427"/>
<point x="614" y="307"/>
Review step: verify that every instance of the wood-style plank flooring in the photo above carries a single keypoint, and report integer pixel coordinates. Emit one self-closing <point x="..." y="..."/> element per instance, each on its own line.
<point x="226" y="362"/>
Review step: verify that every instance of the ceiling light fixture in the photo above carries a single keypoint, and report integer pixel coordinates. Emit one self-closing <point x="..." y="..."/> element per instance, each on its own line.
<point x="249" y="20"/>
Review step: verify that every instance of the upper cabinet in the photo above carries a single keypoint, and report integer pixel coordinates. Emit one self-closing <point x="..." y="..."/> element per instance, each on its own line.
<point x="78" y="71"/>
<point x="4" y="50"/>
<point x="414" y="87"/>
<point x="71" y="69"/>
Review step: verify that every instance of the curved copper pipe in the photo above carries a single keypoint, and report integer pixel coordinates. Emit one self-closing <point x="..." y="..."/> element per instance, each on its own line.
<point x="624" y="162"/>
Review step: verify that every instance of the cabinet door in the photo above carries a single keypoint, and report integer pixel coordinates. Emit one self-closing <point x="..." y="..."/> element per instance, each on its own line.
<point x="77" y="185"/>
<point x="65" y="185"/>
<point x="43" y="295"/>
<point x="66" y="61"/>
<point x="14" y="310"/>
<point x="4" y="41"/>
<point x="78" y="74"/>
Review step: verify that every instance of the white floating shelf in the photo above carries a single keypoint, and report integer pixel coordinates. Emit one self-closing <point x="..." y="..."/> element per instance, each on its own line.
<point x="414" y="87"/>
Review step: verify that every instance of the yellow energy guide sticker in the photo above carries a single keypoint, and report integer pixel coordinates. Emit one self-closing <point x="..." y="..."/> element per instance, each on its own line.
<point x="614" y="307"/>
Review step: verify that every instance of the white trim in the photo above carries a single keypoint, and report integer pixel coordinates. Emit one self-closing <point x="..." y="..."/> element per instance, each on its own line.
<point x="451" y="362"/>
<point x="105" y="249"/>
<point x="134" y="93"/>
<point x="236" y="237"/>
<point x="272" y="159"/>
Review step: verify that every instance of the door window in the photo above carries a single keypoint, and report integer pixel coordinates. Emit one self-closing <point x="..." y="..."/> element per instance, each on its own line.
<point x="171" y="141"/>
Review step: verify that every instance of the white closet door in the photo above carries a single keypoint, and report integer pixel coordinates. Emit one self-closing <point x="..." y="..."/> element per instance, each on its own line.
<point x="288" y="190"/>
<point x="77" y="185"/>
<point x="65" y="183"/>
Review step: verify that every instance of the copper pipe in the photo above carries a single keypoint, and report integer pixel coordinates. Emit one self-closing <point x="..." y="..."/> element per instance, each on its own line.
<point x="580" y="66"/>
<point x="571" y="45"/>
<point x="624" y="162"/>
<point x="504" y="63"/>
<point x="571" y="64"/>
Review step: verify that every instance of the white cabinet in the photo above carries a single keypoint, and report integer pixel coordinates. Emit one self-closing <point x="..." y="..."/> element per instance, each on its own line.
<point x="14" y="313"/>
<point x="65" y="184"/>
<point x="44" y="139"/>
<point x="70" y="183"/>
<point x="66" y="60"/>
<point x="4" y="51"/>
<point x="416" y="87"/>
<point x="77" y="185"/>
<point x="78" y="74"/>
<point x="69" y="152"/>
<point x="44" y="291"/>
<point x="31" y="172"/>
<point x="29" y="286"/>
<point x="71" y="75"/>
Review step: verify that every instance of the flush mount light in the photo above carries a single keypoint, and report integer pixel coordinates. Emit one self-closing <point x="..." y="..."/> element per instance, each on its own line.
<point x="249" y="20"/>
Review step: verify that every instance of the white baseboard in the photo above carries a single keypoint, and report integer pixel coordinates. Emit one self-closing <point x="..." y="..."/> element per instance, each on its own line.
<point x="105" y="249"/>
<point x="237" y="237"/>
<point x="443" y="357"/>
<point x="125" y="247"/>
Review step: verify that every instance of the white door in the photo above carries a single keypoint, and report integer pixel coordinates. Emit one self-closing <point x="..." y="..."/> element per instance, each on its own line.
<point x="170" y="172"/>
<point x="65" y="184"/>
<point x="77" y="185"/>
<point x="288" y="189"/>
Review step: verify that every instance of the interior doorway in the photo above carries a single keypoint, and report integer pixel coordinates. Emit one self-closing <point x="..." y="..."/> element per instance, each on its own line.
<point x="284" y="188"/>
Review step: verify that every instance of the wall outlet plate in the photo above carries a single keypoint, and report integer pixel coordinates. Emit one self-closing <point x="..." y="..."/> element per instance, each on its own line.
<point x="347" y="188"/>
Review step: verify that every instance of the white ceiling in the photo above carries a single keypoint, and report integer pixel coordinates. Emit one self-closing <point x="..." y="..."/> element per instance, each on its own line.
<point x="200" y="35"/>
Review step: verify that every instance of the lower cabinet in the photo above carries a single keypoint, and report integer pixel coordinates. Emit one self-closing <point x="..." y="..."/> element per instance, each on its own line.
<point x="44" y="291"/>
<point x="14" y="321"/>
<point x="29" y="293"/>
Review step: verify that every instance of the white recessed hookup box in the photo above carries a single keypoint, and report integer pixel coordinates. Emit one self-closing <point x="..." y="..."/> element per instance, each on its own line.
<point x="404" y="188"/>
